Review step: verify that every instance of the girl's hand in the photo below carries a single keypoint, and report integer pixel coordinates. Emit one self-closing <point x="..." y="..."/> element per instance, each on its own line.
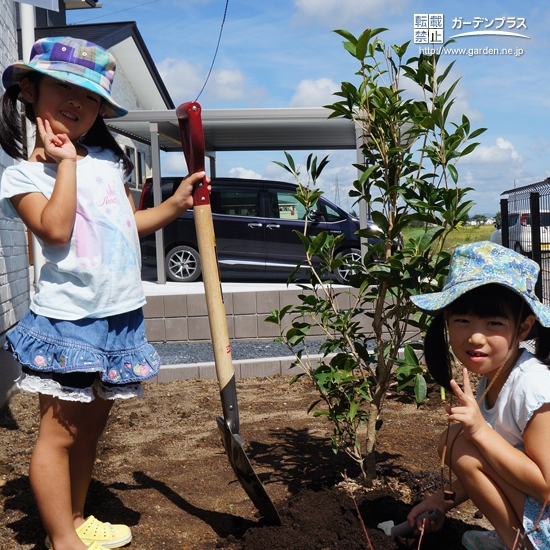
<point x="467" y="412"/>
<point x="430" y="503"/>
<point x="184" y="193"/>
<point x="57" y="146"/>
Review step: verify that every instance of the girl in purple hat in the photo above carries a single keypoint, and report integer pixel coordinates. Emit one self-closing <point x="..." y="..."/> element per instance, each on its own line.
<point x="82" y="344"/>
<point x="497" y="444"/>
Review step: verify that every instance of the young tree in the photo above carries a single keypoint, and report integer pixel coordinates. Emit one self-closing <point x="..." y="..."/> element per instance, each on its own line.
<point x="409" y="177"/>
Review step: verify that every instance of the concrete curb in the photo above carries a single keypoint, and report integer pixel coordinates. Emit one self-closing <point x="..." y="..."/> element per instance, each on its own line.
<point x="244" y="368"/>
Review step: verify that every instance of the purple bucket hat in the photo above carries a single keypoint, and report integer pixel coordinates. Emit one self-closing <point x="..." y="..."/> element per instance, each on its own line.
<point x="483" y="263"/>
<point x="72" y="60"/>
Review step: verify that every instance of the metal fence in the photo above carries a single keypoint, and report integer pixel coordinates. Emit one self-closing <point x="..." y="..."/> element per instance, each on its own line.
<point x="526" y="228"/>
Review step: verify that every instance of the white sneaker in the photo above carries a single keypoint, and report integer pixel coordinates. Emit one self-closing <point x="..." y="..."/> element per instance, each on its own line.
<point x="482" y="540"/>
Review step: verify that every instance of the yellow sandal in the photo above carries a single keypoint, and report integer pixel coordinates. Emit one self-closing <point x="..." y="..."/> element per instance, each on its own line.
<point x="97" y="534"/>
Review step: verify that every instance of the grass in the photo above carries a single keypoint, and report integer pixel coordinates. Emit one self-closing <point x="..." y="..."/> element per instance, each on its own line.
<point x="462" y="235"/>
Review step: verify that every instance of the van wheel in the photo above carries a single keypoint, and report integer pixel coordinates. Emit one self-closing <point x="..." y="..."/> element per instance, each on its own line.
<point x="346" y="270"/>
<point x="183" y="264"/>
<point x="517" y="248"/>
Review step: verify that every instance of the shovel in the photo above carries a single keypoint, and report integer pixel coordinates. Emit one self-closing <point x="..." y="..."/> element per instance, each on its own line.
<point x="404" y="529"/>
<point x="192" y="139"/>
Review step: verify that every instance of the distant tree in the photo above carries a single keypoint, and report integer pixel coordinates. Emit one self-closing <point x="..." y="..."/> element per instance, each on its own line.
<point x="479" y="219"/>
<point x="498" y="219"/>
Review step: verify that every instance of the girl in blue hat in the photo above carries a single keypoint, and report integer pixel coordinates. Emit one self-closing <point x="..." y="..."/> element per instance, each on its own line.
<point x="82" y="344"/>
<point x="498" y="444"/>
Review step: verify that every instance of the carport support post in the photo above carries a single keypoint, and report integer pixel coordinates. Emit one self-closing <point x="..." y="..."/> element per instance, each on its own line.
<point x="534" y="205"/>
<point x="157" y="199"/>
<point x="364" y="207"/>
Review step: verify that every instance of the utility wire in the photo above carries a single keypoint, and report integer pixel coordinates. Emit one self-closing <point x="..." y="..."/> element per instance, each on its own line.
<point x="152" y="2"/>
<point x="113" y="12"/>
<point x="216" y="52"/>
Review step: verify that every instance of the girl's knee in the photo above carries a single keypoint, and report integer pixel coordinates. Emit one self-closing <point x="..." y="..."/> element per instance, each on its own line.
<point x="447" y="439"/>
<point x="94" y="420"/>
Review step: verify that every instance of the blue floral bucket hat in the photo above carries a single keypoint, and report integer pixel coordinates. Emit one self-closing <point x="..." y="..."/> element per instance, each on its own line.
<point x="71" y="60"/>
<point x="483" y="263"/>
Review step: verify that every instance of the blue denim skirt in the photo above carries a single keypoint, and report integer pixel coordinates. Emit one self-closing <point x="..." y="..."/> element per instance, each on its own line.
<point x="112" y="354"/>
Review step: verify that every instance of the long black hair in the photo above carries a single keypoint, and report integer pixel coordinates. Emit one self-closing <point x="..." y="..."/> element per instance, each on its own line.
<point x="12" y="136"/>
<point x="492" y="300"/>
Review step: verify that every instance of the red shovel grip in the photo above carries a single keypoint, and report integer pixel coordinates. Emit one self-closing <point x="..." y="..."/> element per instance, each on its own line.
<point x="192" y="142"/>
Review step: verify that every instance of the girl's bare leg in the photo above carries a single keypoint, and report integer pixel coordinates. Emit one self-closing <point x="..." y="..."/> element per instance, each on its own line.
<point x="501" y="503"/>
<point x="82" y="453"/>
<point x="49" y="470"/>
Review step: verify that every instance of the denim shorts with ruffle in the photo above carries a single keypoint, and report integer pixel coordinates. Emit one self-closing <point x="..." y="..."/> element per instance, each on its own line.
<point x="114" y="348"/>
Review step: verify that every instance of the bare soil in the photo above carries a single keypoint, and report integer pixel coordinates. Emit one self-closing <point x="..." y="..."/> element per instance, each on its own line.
<point x="162" y="470"/>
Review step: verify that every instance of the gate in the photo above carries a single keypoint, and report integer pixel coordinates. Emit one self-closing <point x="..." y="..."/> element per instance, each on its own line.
<point x="525" y="215"/>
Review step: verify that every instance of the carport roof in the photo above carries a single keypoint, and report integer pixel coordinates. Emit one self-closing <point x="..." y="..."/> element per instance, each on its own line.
<point x="246" y="129"/>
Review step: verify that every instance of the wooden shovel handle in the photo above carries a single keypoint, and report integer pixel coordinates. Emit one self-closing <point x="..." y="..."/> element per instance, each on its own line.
<point x="212" y="289"/>
<point x="192" y="140"/>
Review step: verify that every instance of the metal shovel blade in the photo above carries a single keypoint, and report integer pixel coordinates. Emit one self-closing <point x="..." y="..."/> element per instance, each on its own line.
<point x="253" y="487"/>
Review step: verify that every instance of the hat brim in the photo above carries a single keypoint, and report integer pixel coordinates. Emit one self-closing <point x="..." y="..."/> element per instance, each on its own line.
<point x="436" y="301"/>
<point x="15" y="72"/>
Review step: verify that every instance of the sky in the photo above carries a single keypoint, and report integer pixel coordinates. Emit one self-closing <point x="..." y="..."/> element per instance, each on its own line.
<point x="285" y="53"/>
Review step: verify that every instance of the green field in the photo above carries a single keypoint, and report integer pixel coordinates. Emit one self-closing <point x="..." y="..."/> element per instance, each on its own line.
<point x="463" y="235"/>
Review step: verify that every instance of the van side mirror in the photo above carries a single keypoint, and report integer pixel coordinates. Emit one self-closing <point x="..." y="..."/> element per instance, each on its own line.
<point x="316" y="215"/>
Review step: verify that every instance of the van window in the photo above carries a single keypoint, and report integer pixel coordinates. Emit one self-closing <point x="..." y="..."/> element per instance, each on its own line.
<point x="328" y="212"/>
<point x="234" y="202"/>
<point x="284" y="206"/>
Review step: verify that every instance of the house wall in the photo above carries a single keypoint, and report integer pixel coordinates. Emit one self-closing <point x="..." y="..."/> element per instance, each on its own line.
<point x="124" y="94"/>
<point x="14" y="266"/>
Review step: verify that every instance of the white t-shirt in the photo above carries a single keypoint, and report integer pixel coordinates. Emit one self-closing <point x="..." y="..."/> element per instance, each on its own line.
<point x="98" y="273"/>
<point x="524" y="392"/>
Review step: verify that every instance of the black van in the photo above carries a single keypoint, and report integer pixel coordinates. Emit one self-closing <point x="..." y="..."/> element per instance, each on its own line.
<point x="254" y="223"/>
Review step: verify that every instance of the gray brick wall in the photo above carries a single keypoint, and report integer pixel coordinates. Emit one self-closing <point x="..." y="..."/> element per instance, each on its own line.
<point x="14" y="266"/>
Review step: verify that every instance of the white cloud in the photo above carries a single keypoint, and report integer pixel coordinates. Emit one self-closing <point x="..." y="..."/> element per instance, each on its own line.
<point x="232" y="85"/>
<point x="226" y="84"/>
<point x="501" y="152"/>
<point x="540" y="145"/>
<point x="173" y="164"/>
<point x="461" y="106"/>
<point x="182" y="79"/>
<point x="240" y="172"/>
<point x="185" y="80"/>
<point x="314" y="93"/>
<point x="338" y="12"/>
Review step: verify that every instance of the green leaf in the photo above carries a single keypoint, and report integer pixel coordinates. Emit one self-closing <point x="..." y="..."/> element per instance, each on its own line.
<point x="453" y="171"/>
<point x="347" y="35"/>
<point x="420" y="389"/>
<point x="468" y="149"/>
<point x="410" y="356"/>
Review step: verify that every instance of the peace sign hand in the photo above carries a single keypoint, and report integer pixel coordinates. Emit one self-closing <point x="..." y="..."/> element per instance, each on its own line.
<point x="467" y="412"/>
<point x="57" y="146"/>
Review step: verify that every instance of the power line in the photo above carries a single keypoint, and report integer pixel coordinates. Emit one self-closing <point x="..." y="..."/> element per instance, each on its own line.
<point x="114" y="12"/>
<point x="154" y="1"/>
<point x="216" y="52"/>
